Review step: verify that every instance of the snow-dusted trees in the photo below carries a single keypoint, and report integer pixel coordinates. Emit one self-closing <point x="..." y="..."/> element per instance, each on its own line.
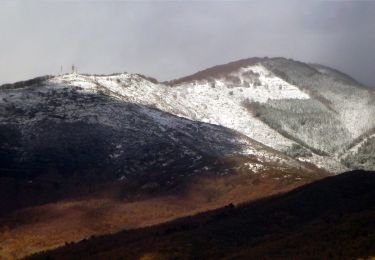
<point x="363" y="158"/>
<point x="307" y="122"/>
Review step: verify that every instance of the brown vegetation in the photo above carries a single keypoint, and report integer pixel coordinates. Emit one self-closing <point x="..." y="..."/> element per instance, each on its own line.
<point x="48" y="226"/>
<point x="329" y="219"/>
<point x="215" y="71"/>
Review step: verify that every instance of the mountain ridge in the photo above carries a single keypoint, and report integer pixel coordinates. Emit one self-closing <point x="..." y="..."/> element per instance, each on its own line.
<point x="233" y="64"/>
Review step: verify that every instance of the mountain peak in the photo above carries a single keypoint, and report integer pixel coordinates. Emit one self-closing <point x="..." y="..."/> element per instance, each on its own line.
<point x="272" y="63"/>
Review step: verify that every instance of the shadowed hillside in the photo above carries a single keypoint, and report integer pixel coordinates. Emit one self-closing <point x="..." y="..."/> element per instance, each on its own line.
<point x="65" y="143"/>
<point x="331" y="218"/>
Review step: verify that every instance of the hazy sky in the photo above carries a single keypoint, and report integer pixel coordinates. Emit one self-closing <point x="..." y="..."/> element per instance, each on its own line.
<point x="170" y="39"/>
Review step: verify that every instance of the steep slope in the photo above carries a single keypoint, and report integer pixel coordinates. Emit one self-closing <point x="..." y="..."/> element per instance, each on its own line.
<point x="331" y="218"/>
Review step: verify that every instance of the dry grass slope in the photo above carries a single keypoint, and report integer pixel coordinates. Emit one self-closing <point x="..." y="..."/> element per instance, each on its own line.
<point x="52" y="225"/>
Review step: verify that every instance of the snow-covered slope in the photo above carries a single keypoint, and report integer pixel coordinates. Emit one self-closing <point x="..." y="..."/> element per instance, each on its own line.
<point x="316" y="107"/>
<point x="353" y="103"/>
<point x="217" y="102"/>
<point x="123" y="118"/>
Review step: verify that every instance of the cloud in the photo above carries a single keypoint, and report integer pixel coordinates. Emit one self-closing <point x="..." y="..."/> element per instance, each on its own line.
<point x="171" y="39"/>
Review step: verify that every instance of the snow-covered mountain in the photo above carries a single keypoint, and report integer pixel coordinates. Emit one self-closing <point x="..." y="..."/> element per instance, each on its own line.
<point x="105" y="150"/>
<point x="309" y="112"/>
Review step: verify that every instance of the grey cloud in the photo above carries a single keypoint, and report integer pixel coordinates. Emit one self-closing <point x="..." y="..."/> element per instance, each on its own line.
<point x="174" y="38"/>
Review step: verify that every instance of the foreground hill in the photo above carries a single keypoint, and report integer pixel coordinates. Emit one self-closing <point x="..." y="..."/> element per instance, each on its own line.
<point x="331" y="218"/>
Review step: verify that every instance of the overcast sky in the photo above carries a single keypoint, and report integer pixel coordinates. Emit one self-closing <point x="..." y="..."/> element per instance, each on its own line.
<point x="171" y="39"/>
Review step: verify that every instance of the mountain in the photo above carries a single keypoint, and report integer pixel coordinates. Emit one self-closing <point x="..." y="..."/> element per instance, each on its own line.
<point x="329" y="219"/>
<point x="290" y="106"/>
<point x="309" y="111"/>
<point x="124" y="150"/>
